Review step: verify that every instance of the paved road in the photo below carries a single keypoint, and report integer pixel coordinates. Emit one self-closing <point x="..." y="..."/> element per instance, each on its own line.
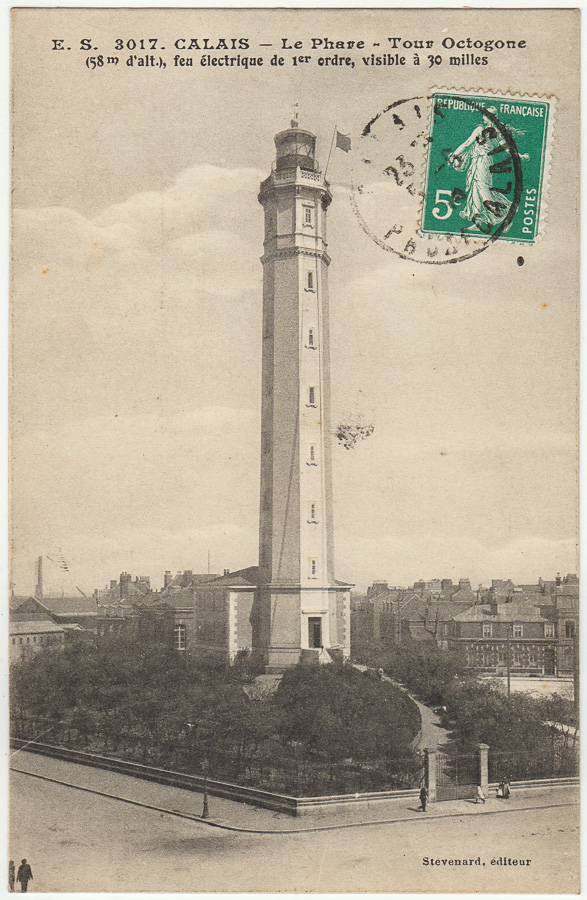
<point x="80" y="841"/>
<point x="537" y="687"/>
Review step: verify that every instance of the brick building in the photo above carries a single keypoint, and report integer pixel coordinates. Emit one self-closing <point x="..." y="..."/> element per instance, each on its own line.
<point x="485" y="633"/>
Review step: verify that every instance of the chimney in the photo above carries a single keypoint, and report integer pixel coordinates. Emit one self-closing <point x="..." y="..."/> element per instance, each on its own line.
<point x="39" y="587"/>
<point x="167" y="579"/>
<point x="493" y="610"/>
<point x="113" y="583"/>
<point x="227" y="571"/>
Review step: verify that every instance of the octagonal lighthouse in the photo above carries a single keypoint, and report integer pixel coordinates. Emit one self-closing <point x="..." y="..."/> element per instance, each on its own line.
<point x="304" y="613"/>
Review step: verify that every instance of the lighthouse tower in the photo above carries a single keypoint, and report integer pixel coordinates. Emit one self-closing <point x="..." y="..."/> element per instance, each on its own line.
<point x="303" y="611"/>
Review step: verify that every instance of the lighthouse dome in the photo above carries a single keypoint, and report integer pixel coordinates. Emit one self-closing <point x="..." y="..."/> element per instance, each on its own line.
<point x="295" y="147"/>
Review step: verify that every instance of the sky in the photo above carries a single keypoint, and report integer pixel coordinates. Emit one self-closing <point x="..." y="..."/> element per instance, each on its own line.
<point x="136" y="319"/>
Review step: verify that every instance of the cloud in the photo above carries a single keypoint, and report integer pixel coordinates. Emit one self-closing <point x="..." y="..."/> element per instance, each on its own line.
<point x="136" y="388"/>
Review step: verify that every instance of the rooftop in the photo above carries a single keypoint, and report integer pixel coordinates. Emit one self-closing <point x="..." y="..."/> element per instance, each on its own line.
<point x="506" y="612"/>
<point x="36" y="628"/>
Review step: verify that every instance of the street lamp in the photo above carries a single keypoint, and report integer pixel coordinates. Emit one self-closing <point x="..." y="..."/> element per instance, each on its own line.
<point x="508" y="629"/>
<point x="205" y="767"/>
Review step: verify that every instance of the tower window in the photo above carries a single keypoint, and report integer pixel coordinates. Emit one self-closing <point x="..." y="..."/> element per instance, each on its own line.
<point x="307" y="215"/>
<point x="309" y="281"/>
<point x="518" y="631"/>
<point x="569" y="630"/>
<point x="179" y="637"/>
<point x="313" y="568"/>
<point x="312" y="517"/>
<point x="311" y="396"/>
<point x="549" y="630"/>
<point x="312" y="453"/>
<point x="311" y="340"/>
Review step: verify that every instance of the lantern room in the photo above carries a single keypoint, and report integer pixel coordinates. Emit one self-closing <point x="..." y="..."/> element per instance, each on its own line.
<point x="295" y="147"/>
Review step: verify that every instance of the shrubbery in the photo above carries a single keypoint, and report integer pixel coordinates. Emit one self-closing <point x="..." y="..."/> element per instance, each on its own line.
<point x="423" y="668"/>
<point x="326" y="728"/>
<point x="521" y="744"/>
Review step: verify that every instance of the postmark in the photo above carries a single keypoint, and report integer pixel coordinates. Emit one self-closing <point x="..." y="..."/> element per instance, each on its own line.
<point x="405" y="154"/>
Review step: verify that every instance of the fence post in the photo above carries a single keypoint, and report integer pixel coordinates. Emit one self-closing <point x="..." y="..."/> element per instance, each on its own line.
<point x="483" y="750"/>
<point x="430" y="774"/>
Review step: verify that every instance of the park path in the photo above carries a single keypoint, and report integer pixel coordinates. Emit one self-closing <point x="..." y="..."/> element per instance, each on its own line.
<point x="433" y="734"/>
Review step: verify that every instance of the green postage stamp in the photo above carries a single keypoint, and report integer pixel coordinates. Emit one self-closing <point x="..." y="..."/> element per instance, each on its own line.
<point x="487" y="165"/>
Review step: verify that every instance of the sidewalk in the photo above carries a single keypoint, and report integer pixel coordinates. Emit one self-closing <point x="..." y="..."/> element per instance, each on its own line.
<point x="242" y="817"/>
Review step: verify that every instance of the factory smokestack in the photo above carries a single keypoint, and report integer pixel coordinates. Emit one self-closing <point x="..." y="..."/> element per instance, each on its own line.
<point x="39" y="587"/>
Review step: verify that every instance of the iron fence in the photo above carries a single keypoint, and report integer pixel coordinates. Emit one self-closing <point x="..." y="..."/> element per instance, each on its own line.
<point x="274" y="767"/>
<point x="557" y="761"/>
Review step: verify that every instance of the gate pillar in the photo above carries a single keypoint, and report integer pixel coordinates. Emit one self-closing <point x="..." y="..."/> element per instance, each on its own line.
<point x="430" y="774"/>
<point x="483" y="750"/>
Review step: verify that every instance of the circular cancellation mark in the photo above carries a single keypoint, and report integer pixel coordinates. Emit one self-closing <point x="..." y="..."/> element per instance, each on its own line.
<point x="393" y="185"/>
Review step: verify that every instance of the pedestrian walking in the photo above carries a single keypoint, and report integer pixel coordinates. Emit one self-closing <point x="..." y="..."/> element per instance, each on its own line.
<point x="506" y="790"/>
<point x="24" y="875"/>
<point x="480" y="795"/>
<point x="423" y="797"/>
<point x="11" y="876"/>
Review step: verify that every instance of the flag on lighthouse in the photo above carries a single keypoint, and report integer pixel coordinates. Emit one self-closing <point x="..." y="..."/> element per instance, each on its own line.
<point x="343" y="141"/>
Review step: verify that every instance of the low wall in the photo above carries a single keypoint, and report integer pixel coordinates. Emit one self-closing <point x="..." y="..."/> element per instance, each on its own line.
<point x="278" y="802"/>
<point x="291" y="806"/>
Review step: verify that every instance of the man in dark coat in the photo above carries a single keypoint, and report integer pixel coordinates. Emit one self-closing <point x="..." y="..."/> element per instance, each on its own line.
<point x="423" y="797"/>
<point x="24" y="875"/>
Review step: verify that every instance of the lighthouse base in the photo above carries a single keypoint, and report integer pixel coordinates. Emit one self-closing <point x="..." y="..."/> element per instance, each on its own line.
<point x="302" y="624"/>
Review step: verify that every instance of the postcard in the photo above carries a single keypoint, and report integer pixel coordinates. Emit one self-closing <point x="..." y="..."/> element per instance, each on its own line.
<point x="294" y="593"/>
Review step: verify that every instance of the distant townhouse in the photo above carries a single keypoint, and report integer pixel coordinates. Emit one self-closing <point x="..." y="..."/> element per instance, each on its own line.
<point x="405" y="615"/>
<point x="116" y="604"/>
<point x="487" y="633"/>
<point x="560" y="605"/>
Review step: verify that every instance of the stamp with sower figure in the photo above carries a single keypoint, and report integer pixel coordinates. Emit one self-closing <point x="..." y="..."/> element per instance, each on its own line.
<point x="440" y="178"/>
<point x="486" y="163"/>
